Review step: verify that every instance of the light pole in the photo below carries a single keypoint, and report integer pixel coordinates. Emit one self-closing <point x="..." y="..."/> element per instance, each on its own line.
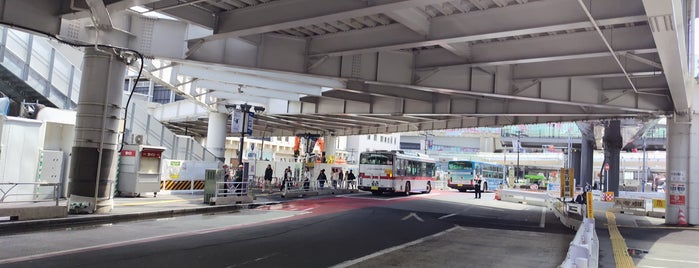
<point x="245" y="110"/>
<point x="426" y="140"/>
<point x="519" y="145"/>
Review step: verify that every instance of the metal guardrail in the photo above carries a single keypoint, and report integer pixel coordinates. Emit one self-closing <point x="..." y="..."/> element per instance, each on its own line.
<point x="232" y="188"/>
<point x="4" y="193"/>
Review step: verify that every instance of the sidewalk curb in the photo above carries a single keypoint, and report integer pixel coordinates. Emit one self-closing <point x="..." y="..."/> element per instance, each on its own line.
<point x="81" y="220"/>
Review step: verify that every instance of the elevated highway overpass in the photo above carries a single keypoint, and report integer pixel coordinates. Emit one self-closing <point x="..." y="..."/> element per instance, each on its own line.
<point x="358" y="67"/>
<point x="362" y="67"/>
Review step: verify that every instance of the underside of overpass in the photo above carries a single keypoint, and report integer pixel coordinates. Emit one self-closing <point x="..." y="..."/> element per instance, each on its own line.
<point x="361" y="67"/>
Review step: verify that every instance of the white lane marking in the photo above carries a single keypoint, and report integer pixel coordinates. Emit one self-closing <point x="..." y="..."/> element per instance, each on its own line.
<point x="412" y="214"/>
<point x="671" y="260"/>
<point x="646" y="266"/>
<point x="136" y="241"/>
<point x="391" y="249"/>
<point x="542" y="222"/>
<point x="308" y="209"/>
<point x="447" y="216"/>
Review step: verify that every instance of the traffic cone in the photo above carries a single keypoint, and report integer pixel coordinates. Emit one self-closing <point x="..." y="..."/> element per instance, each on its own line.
<point x="681" y="220"/>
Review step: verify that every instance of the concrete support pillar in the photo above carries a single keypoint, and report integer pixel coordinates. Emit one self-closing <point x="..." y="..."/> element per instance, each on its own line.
<point x="575" y="158"/>
<point x="216" y="135"/>
<point x="586" y="162"/>
<point x="93" y="161"/>
<point x="682" y="184"/>
<point x="612" y="153"/>
<point x="330" y="145"/>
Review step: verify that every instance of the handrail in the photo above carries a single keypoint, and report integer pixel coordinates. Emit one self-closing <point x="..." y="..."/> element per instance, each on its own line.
<point x="6" y="193"/>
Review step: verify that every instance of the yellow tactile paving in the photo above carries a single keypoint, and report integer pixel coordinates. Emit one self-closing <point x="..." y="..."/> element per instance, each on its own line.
<point x="621" y="252"/>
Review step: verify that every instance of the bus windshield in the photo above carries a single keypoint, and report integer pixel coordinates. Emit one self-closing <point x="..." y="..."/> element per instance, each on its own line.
<point x="460" y="165"/>
<point x="376" y="159"/>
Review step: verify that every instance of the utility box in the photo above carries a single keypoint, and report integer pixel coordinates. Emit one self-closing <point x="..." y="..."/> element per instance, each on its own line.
<point x="139" y="170"/>
<point x="212" y="177"/>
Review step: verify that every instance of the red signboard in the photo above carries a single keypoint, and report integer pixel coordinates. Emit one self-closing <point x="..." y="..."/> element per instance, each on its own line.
<point x="606" y="167"/>
<point x="128" y="153"/>
<point x="677" y="199"/>
<point x="149" y="153"/>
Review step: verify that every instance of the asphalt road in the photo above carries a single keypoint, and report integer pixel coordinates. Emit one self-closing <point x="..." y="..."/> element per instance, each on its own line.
<point x="442" y="229"/>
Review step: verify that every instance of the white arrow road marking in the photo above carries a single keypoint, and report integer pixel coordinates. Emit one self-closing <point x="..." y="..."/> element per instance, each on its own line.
<point x="412" y="214"/>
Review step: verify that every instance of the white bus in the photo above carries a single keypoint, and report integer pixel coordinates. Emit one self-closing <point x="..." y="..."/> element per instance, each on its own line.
<point x="395" y="172"/>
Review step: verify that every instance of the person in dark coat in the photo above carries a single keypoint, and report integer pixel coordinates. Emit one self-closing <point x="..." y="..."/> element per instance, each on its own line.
<point x="477" y="186"/>
<point x="268" y="178"/>
<point x="286" y="178"/>
<point x="322" y="178"/>
<point x="238" y="180"/>
<point x="350" y="179"/>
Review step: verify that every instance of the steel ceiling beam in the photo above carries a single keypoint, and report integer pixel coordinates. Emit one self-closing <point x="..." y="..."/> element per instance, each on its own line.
<point x="305" y="12"/>
<point x="251" y="80"/>
<point x="291" y="77"/>
<point x="246" y="90"/>
<point x="521" y="98"/>
<point x="667" y="25"/>
<point x="378" y="46"/>
<point x="541" y="59"/>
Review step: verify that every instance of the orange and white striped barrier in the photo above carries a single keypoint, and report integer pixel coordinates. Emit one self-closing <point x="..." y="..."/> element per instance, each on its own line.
<point x="681" y="220"/>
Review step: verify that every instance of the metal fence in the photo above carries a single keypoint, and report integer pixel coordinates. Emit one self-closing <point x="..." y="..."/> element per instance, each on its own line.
<point x="37" y="195"/>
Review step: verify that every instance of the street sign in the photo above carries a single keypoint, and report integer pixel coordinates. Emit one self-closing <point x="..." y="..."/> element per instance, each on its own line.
<point x="590" y="210"/>
<point x="659" y="203"/>
<point x="606" y="167"/>
<point x="567" y="178"/>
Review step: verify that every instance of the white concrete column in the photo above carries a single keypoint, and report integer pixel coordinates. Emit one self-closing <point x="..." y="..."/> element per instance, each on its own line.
<point x="682" y="170"/>
<point x="216" y="135"/>
<point x="330" y="145"/>
<point x="93" y="156"/>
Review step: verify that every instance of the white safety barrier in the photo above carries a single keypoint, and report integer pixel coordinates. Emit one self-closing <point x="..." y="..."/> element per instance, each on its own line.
<point x="525" y="197"/>
<point x="584" y="249"/>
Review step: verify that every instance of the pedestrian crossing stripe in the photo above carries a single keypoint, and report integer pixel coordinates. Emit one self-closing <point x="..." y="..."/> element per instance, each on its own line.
<point x="181" y="185"/>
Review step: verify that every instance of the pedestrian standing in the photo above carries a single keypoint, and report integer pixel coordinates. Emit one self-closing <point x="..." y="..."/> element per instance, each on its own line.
<point x="226" y="178"/>
<point x="238" y="181"/>
<point x="268" y="178"/>
<point x="477" y="186"/>
<point x="341" y="178"/>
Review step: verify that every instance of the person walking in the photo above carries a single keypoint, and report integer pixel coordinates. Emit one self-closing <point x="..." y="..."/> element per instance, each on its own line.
<point x="350" y="179"/>
<point x="285" y="178"/>
<point x="340" y="179"/>
<point x="268" y="178"/>
<point x="477" y="186"/>
<point x="322" y="178"/>
<point x="307" y="179"/>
